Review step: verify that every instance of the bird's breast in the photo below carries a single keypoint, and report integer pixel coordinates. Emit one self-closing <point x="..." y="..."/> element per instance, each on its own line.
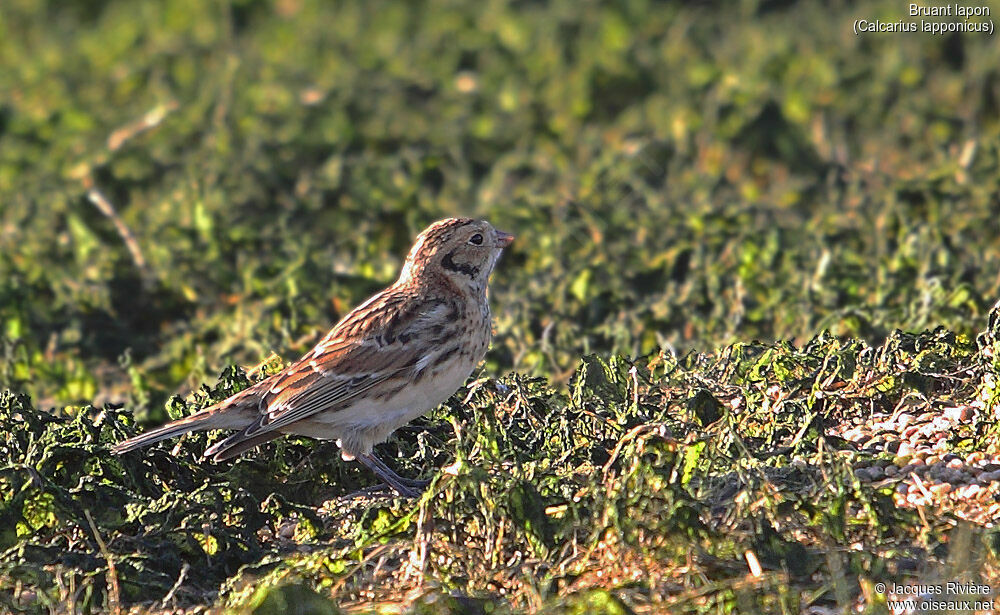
<point x="436" y="376"/>
<point x="444" y="366"/>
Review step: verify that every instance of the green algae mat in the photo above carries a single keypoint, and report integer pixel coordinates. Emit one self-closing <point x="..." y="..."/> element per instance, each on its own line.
<point x="746" y="360"/>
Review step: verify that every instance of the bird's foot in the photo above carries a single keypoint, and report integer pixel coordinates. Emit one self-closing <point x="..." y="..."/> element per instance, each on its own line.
<point x="405" y="487"/>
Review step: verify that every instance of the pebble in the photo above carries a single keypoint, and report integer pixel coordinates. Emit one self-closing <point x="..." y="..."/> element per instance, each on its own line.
<point x="956" y="462"/>
<point x="916" y="498"/>
<point x="969" y="493"/>
<point x="287" y="530"/>
<point x="857" y="434"/>
<point x="957" y="414"/>
<point x="989" y="477"/>
<point x="932" y="460"/>
<point x="940" y="488"/>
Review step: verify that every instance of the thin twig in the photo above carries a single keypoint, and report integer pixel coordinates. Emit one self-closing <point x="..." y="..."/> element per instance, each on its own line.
<point x="113" y="591"/>
<point x="150" y="119"/>
<point x="105" y="207"/>
<point x="633" y="434"/>
<point x="173" y="590"/>
<point x="357" y="568"/>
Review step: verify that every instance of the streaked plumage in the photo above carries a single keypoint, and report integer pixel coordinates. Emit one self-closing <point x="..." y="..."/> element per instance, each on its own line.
<point x="391" y="359"/>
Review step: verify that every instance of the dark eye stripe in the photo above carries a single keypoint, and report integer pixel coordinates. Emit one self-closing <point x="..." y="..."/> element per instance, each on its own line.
<point x="448" y="262"/>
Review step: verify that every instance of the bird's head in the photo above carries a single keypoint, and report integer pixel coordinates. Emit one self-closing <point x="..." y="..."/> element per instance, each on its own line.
<point x="462" y="250"/>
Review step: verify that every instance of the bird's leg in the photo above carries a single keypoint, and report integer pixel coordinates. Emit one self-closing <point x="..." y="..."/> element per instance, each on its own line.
<point x="404" y="487"/>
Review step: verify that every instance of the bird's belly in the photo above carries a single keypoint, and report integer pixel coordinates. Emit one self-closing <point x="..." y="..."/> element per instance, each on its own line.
<point x="371" y="419"/>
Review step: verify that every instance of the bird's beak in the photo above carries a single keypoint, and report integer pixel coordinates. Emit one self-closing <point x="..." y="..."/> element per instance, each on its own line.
<point x="504" y="239"/>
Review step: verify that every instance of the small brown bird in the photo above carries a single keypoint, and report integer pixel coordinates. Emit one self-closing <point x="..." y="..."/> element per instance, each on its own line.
<point x="390" y="360"/>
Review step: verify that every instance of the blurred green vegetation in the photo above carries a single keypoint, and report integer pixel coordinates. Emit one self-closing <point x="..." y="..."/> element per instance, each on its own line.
<point x="685" y="175"/>
<point x="680" y="176"/>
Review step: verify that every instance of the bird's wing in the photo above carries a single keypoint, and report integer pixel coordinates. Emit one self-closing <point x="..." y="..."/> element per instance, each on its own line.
<point x="393" y="335"/>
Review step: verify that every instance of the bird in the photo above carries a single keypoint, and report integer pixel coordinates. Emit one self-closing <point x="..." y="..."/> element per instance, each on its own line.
<point x="393" y="358"/>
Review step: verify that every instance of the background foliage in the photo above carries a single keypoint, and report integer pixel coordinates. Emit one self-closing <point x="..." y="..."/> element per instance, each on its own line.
<point x="680" y="176"/>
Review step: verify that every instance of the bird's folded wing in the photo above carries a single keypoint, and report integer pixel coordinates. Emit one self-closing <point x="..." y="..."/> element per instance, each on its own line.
<point x="396" y="340"/>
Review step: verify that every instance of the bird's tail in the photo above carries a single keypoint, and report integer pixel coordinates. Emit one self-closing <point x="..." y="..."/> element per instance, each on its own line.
<point x="223" y="415"/>
<point x="195" y="422"/>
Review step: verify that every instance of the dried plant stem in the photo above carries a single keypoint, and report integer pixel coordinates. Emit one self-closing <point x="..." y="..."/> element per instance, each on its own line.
<point x="114" y="595"/>
<point x="151" y="119"/>
<point x="95" y="196"/>
<point x="180" y="579"/>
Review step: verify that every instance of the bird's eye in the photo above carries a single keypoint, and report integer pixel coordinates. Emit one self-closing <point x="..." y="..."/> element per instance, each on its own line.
<point x="476" y="240"/>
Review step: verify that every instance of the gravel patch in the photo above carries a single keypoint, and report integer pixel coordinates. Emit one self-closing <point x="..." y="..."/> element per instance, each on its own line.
<point x="917" y="453"/>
